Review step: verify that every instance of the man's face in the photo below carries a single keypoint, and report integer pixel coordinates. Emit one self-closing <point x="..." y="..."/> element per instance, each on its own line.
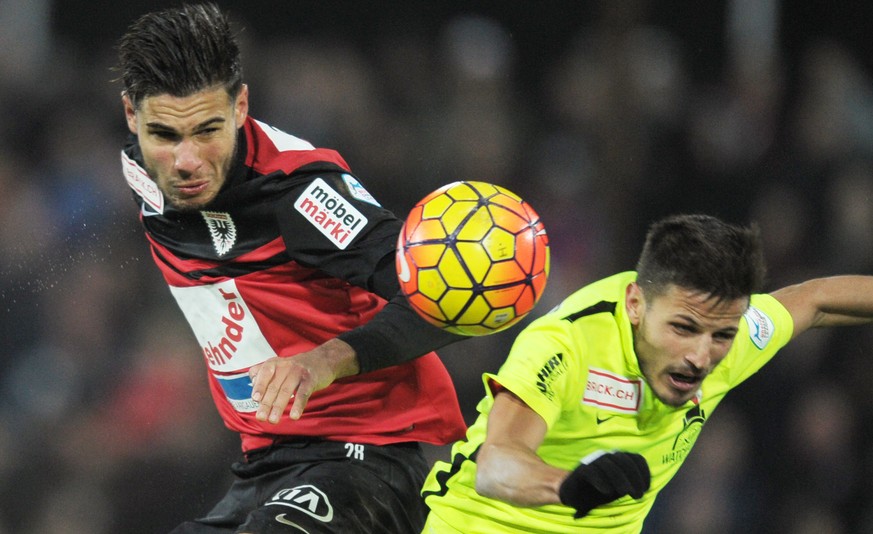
<point x="188" y="143"/>
<point x="679" y="338"/>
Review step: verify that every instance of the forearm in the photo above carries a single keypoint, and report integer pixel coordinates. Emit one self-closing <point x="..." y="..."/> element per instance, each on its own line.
<point x="517" y="476"/>
<point x="394" y="336"/>
<point x="825" y="302"/>
<point x="846" y="300"/>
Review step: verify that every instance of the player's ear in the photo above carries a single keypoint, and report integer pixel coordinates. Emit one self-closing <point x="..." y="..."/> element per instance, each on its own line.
<point x="634" y="302"/>
<point x="129" y="112"/>
<point x="241" y="105"/>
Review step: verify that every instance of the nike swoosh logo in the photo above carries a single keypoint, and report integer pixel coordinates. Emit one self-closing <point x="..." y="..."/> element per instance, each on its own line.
<point x="404" y="275"/>
<point x="281" y="519"/>
<point x="604" y="419"/>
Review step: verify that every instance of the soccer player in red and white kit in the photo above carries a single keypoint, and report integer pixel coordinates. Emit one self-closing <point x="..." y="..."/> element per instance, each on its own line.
<point x="283" y="264"/>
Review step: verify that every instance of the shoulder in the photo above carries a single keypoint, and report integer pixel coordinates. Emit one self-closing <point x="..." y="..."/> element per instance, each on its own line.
<point x="765" y="318"/>
<point x="270" y="149"/>
<point x="604" y="296"/>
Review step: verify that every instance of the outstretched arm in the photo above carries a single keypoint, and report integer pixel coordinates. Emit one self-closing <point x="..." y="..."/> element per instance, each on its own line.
<point x="833" y="301"/>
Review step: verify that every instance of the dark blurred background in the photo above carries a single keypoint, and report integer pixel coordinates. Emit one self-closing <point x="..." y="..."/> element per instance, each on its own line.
<point x="603" y="114"/>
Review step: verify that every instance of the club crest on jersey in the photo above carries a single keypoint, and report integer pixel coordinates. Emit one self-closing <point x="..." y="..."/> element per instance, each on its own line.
<point x="334" y="216"/>
<point x="222" y="230"/>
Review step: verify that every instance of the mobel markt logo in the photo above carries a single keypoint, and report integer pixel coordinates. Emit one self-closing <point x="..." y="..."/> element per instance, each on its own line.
<point x="331" y="214"/>
<point x="691" y="427"/>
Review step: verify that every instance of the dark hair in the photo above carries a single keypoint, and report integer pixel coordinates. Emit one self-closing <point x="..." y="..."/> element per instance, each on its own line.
<point x="700" y="252"/>
<point x="179" y="51"/>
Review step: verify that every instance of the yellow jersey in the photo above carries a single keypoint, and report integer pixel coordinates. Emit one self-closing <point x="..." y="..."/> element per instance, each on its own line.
<point x="576" y="367"/>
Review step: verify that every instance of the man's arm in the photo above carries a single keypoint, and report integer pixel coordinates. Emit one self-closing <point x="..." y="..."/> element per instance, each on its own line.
<point x="278" y="381"/>
<point x="508" y="467"/>
<point x="833" y="301"/>
<point x="394" y="335"/>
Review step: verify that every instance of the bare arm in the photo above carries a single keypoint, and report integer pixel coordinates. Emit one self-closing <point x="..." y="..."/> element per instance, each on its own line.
<point x="834" y="301"/>
<point x="508" y="467"/>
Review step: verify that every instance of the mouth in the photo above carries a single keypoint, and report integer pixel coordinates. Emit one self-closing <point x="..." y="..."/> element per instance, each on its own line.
<point x="685" y="382"/>
<point x="192" y="189"/>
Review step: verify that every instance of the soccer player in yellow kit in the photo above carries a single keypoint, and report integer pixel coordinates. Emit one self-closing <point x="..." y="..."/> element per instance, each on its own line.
<point x="600" y="400"/>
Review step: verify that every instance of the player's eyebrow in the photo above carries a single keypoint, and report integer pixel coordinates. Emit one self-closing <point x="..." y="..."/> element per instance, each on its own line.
<point x="205" y="124"/>
<point x="691" y="322"/>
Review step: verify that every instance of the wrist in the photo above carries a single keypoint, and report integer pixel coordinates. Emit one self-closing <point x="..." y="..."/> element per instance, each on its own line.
<point x="341" y="358"/>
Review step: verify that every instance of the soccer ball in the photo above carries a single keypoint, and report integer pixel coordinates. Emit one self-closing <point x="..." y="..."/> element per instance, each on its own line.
<point x="472" y="258"/>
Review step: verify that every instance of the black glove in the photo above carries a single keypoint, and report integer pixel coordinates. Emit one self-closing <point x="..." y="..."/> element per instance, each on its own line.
<point x="604" y="480"/>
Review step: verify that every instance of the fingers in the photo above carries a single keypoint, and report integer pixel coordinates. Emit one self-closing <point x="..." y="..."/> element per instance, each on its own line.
<point x="273" y="386"/>
<point x="605" y="479"/>
<point x="639" y="475"/>
<point x="275" y="383"/>
<point x="626" y="473"/>
<point x="261" y="376"/>
<point x="300" y="401"/>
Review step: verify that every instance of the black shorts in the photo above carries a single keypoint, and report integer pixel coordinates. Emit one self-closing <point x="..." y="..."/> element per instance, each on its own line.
<point x="322" y="486"/>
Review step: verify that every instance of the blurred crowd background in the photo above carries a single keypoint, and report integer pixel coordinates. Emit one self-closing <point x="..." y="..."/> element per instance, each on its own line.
<point x="603" y="114"/>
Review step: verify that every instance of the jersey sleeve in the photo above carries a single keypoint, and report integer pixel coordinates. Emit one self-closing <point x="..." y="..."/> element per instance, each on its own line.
<point x="395" y="335"/>
<point x="331" y="223"/>
<point x="540" y="370"/>
<point x="766" y="327"/>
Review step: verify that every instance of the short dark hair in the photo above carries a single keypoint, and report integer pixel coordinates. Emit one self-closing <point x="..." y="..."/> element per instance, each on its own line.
<point x="703" y="253"/>
<point x="179" y="51"/>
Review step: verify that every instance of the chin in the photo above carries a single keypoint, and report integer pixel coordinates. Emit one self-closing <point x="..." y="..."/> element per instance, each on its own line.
<point x="673" y="400"/>
<point x="187" y="207"/>
<point x="190" y="204"/>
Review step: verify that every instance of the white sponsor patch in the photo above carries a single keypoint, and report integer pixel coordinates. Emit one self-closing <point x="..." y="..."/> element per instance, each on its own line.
<point x="222" y="230"/>
<point x="611" y="392"/>
<point x="306" y="498"/>
<point x="223" y="324"/>
<point x="138" y="180"/>
<point x="357" y="190"/>
<point x="760" y="326"/>
<point x="330" y="213"/>
<point x="284" y="141"/>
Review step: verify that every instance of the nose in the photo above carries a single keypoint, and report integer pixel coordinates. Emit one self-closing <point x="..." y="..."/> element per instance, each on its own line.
<point x="187" y="157"/>
<point x="699" y="355"/>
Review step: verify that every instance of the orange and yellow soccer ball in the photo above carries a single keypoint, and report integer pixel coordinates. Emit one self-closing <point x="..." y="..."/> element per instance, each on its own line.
<point x="473" y="258"/>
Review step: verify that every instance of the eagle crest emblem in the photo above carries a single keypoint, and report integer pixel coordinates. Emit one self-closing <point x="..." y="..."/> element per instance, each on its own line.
<point x="222" y="230"/>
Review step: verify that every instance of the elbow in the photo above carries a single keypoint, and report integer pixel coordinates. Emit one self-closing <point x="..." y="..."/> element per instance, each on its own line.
<point x="485" y="481"/>
<point x="485" y="484"/>
<point x="482" y="485"/>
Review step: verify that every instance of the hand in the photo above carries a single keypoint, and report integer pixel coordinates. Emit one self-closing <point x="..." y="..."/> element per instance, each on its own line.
<point x="278" y="380"/>
<point x="605" y="479"/>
